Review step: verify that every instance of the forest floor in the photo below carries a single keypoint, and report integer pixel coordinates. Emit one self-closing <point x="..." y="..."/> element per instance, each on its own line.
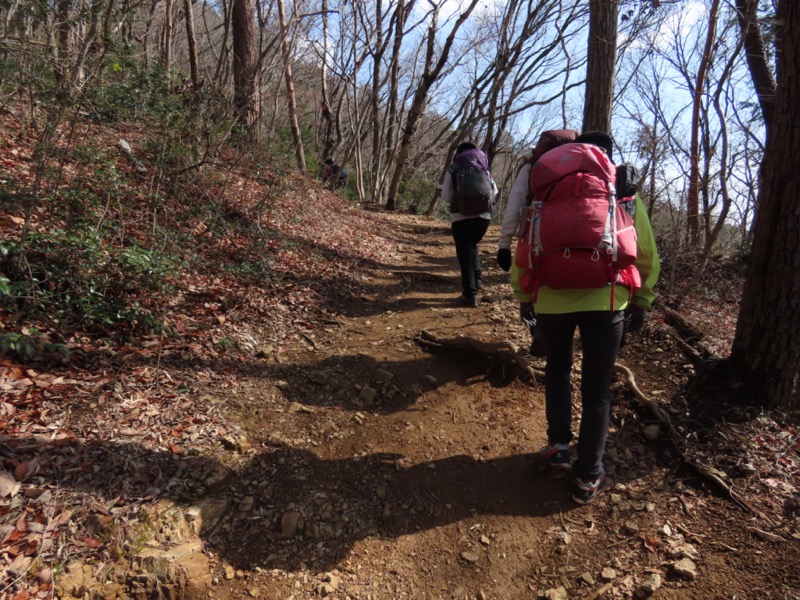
<point x="303" y="441"/>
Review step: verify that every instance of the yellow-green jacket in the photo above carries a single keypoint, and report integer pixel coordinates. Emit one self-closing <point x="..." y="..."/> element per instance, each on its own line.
<point x="552" y="301"/>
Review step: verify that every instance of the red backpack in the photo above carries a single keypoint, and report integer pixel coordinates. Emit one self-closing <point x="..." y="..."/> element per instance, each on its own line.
<point x="548" y="140"/>
<point x="577" y="236"/>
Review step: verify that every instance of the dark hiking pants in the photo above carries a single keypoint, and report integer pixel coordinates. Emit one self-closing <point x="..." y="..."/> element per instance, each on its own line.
<point x="467" y="233"/>
<point x="601" y="333"/>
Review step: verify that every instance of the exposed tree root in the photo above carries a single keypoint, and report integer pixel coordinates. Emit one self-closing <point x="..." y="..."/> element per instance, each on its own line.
<point x="687" y="330"/>
<point x="502" y="351"/>
<point x="689" y="337"/>
<point x="423" y="275"/>
<point x="715" y="476"/>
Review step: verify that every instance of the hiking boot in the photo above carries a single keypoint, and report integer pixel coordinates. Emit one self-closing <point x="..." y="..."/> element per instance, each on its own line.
<point x="586" y="490"/>
<point x="555" y="455"/>
<point x="479" y="284"/>
<point x="469" y="301"/>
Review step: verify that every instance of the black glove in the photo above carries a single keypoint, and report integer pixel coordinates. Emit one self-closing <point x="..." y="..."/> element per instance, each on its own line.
<point x="527" y="315"/>
<point x="636" y="317"/>
<point x="504" y="258"/>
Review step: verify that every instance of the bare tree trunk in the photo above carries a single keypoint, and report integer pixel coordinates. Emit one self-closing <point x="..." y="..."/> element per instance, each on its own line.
<point x="226" y="32"/>
<point x="190" y="38"/>
<point x="377" y="60"/>
<point x="76" y="73"/>
<point x="246" y="96"/>
<point x="600" y="65"/>
<point x="290" y="96"/>
<point x="166" y="38"/>
<point x="326" y="126"/>
<point x="392" y="113"/>
<point x="429" y="77"/>
<point x="723" y="144"/>
<point x="757" y="61"/>
<point x="62" y="26"/>
<point x="766" y="348"/>
<point x="693" y="195"/>
<point x="652" y="180"/>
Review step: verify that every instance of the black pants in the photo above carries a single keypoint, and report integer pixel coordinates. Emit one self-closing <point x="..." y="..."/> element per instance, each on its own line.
<point x="467" y="233"/>
<point x="601" y="333"/>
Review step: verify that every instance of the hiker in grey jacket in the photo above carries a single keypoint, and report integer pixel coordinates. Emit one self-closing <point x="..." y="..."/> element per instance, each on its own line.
<point x="512" y="220"/>
<point x="468" y="228"/>
<point x="517" y="200"/>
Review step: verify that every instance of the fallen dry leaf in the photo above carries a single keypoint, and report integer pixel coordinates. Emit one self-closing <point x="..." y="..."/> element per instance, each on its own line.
<point x="767" y="536"/>
<point x="21" y="471"/>
<point x="8" y="485"/>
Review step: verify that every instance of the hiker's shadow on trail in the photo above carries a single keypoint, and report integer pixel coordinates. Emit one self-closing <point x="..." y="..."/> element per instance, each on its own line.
<point x="291" y="509"/>
<point x="337" y="503"/>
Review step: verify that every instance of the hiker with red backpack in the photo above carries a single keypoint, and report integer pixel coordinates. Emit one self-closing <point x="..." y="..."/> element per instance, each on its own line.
<point x="470" y="191"/>
<point x="587" y="258"/>
<point x="514" y="220"/>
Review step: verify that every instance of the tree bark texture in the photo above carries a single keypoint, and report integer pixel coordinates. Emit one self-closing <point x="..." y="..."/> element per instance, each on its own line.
<point x="693" y="195"/>
<point x="291" y="102"/>
<point x="191" y="41"/>
<point x="245" y="66"/>
<point x="325" y="134"/>
<point x="63" y="14"/>
<point x="166" y="37"/>
<point x="600" y="66"/>
<point x="429" y="77"/>
<point x="757" y="60"/>
<point x="402" y="12"/>
<point x="766" y="348"/>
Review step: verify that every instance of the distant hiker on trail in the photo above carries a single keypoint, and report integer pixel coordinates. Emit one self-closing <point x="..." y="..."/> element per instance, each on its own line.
<point x="334" y="175"/>
<point x="588" y="259"/>
<point x="519" y="199"/>
<point x="470" y="191"/>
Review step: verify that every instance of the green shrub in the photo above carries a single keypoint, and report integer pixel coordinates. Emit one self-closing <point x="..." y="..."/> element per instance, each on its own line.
<point x="129" y="92"/>
<point x="79" y="274"/>
<point x="415" y="193"/>
<point x="25" y="345"/>
<point x="255" y="270"/>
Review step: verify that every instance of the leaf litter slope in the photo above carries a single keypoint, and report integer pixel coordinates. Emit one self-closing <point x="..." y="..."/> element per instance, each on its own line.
<point x="352" y="462"/>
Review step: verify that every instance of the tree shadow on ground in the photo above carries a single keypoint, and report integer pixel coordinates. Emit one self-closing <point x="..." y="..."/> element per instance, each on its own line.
<point x="415" y="287"/>
<point x="337" y="380"/>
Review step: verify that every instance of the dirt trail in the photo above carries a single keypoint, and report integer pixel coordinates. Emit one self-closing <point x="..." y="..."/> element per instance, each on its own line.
<point x="349" y="462"/>
<point x="377" y="470"/>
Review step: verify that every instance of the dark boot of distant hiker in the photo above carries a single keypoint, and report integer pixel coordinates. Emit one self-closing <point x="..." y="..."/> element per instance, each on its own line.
<point x="468" y="300"/>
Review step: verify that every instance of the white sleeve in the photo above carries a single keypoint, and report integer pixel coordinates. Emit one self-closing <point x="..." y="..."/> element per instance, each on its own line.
<point x="447" y="188"/>
<point x="517" y="198"/>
